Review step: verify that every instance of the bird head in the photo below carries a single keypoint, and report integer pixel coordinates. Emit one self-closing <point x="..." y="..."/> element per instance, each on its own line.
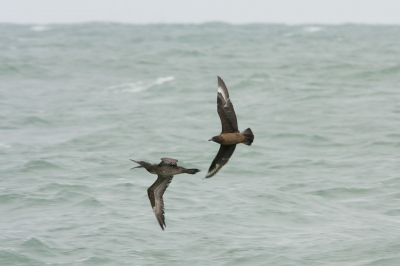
<point x="217" y="139"/>
<point x="141" y="164"/>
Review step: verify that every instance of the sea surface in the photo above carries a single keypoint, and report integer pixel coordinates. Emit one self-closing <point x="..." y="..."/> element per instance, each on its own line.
<point x="319" y="186"/>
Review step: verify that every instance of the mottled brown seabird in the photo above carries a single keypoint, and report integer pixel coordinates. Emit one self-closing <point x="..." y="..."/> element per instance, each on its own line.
<point x="230" y="135"/>
<point x="165" y="171"/>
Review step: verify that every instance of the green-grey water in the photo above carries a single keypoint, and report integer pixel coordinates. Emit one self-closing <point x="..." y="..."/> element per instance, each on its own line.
<point x="319" y="186"/>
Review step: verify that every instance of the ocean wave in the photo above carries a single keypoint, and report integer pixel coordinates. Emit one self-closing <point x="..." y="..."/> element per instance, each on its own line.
<point x="384" y="143"/>
<point x="34" y="120"/>
<point x="390" y="70"/>
<point x="312" y="29"/>
<point x="341" y="193"/>
<point x="308" y="139"/>
<point x="395" y="212"/>
<point x="33" y="242"/>
<point x="288" y="135"/>
<point x="5" y="146"/>
<point x="11" y="198"/>
<point x="49" y="187"/>
<point x="13" y="257"/>
<point x="129" y="87"/>
<point x="67" y="194"/>
<point x="160" y="81"/>
<point x="183" y="53"/>
<point x="40" y="165"/>
<point x="96" y="261"/>
<point x="139" y="86"/>
<point x="259" y="77"/>
<point x="90" y="202"/>
<point x="40" y="28"/>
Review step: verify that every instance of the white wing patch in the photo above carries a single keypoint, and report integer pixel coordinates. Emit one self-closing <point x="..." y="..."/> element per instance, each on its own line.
<point x="213" y="171"/>
<point x="223" y="92"/>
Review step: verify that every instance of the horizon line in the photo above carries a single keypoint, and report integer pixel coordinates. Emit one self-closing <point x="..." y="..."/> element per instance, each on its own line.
<point x="201" y="23"/>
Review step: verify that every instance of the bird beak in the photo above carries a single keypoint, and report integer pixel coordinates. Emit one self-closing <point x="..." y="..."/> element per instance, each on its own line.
<point x="210" y="140"/>
<point x="136" y="166"/>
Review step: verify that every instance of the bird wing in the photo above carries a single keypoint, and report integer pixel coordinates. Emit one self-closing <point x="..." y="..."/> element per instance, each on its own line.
<point x="155" y="193"/>
<point x="225" y="109"/>
<point x="225" y="152"/>
<point x="170" y="161"/>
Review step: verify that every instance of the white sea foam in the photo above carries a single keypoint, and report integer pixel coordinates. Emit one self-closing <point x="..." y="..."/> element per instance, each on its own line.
<point x="83" y="259"/>
<point x="160" y="81"/>
<point x="312" y="29"/>
<point x="40" y="28"/>
<point x="289" y="34"/>
<point x="139" y="86"/>
<point x="2" y="145"/>
<point x="128" y="87"/>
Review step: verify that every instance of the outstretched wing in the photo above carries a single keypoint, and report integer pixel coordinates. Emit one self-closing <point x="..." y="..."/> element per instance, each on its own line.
<point x="225" y="152"/>
<point x="170" y="161"/>
<point x="225" y="109"/>
<point x="155" y="193"/>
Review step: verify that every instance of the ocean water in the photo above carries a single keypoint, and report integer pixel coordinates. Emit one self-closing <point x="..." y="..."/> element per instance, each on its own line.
<point x="319" y="186"/>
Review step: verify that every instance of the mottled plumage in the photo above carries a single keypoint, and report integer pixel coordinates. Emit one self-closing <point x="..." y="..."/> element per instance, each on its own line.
<point x="165" y="171"/>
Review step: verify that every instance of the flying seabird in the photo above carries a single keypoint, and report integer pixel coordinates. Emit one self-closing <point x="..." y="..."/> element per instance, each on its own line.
<point x="165" y="171"/>
<point x="230" y="135"/>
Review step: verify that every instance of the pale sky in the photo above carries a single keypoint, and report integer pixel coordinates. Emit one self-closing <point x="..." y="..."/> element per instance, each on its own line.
<point x="199" y="11"/>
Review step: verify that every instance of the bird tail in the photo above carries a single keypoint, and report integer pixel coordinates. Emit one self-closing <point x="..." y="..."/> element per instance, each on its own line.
<point x="192" y="171"/>
<point x="248" y="136"/>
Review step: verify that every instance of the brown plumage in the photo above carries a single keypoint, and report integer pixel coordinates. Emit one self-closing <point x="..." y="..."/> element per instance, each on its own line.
<point x="165" y="171"/>
<point x="230" y="134"/>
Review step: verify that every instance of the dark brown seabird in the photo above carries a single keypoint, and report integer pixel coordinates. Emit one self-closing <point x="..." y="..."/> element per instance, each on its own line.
<point x="165" y="171"/>
<point x="230" y="135"/>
